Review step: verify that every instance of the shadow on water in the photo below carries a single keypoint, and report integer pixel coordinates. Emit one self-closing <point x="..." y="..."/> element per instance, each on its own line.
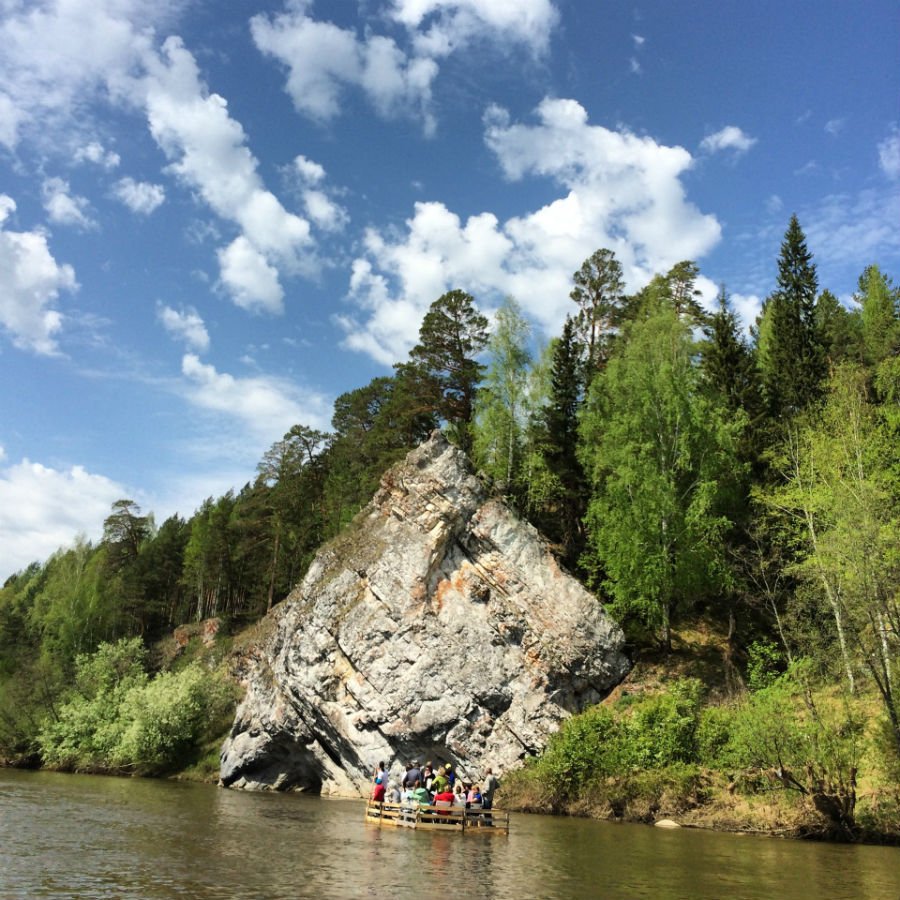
<point x="92" y="837"/>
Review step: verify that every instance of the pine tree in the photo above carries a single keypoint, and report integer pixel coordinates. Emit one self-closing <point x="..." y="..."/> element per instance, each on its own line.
<point x="442" y="367"/>
<point x="598" y="291"/>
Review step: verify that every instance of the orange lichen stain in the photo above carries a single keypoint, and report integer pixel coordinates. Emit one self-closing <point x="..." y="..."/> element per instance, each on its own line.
<point x="443" y="587"/>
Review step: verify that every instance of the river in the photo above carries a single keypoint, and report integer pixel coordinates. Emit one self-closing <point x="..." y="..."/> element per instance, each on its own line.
<point x="90" y="837"/>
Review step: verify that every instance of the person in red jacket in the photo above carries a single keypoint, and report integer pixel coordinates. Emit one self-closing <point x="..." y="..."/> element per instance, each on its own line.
<point x="378" y="791"/>
<point x="445" y="795"/>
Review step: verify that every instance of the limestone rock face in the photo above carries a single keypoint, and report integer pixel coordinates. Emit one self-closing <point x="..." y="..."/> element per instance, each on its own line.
<point x="438" y="626"/>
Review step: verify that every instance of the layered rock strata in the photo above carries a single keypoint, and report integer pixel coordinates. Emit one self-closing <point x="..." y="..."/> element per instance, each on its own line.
<point x="437" y="626"/>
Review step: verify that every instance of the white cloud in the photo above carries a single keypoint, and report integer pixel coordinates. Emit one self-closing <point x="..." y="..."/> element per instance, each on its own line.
<point x="728" y="138"/>
<point x="30" y="283"/>
<point x="854" y="230"/>
<point x="309" y="172"/>
<point x="441" y="26"/>
<point x="139" y="196"/>
<point x="634" y="66"/>
<point x="747" y="306"/>
<point x="61" y="55"/>
<point x="889" y="155"/>
<point x="186" y="326"/>
<point x="64" y="208"/>
<point x="617" y="190"/>
<point x="96" y="154"/>
<point x="322" y="59"/>
<point x="43" y="509"/>
<point x="265" y="405"/>
<point x="638" y="40"/>
<point x="774" y="204"/>
<point x="835" y="126"/>
<point x="209" y="154"/>
<point x="322" y="210"/>
<point x="248" y="277"/>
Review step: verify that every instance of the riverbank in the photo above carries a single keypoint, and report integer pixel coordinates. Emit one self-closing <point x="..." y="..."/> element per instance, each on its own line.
<point x="683" y="739"/>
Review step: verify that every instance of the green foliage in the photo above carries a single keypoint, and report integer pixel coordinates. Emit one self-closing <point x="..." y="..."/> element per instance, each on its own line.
<point x="598" y="291"/>
<point x="650" y="733"/>
<point x="166" y="717"/>
<point x="662" y="730"/>
<point x="501" y="403"/>
<point x="443" y="370"/>
<point x="660" y="453"/>
<point x="116" y="717"/>
<point x="765" y="662"/>
<point x="791" y="352"/>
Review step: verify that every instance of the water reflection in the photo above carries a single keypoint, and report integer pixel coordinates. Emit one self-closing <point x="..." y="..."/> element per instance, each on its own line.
<point x="71" y="836"/>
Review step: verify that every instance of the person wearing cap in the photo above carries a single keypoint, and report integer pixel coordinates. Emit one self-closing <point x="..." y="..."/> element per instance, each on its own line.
<point x="449" y="774"/>
<point x="440" y="781"/>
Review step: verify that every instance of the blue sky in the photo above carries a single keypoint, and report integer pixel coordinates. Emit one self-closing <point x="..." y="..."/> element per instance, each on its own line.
<point x="216" y="217"/>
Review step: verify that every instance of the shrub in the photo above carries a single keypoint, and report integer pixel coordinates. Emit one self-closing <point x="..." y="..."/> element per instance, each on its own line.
<point x="117" y="718"/>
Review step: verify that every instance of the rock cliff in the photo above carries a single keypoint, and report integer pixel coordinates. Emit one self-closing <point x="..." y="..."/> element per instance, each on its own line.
<point x="437" y="626"/>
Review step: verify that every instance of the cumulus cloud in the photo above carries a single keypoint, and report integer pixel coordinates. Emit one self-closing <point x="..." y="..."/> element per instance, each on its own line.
<point x="889" y="155"/>
<point x="61" y="55"/>
<point x="265" y="405"/>
<point x="186" y="325"/>
<point x="43" y="509"/>
<point x="96" y="154"/>
<point x="208" y="153"/>
<point x="747" y="307"/>
<point x="30" y="283"/>
<point x="140" y="197"/>
<point x="323" y="60"/>
<point x="728" y="138"/>
<point x="247" y="276"/>
<point x="616" y="190"/>
<point x="63" y="207"/>
<point x="441" y="26"/>
<point x="323" y="211"/>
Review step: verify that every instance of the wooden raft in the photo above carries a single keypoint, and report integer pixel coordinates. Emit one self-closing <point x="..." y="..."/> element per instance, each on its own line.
<point x="440" y="817"/>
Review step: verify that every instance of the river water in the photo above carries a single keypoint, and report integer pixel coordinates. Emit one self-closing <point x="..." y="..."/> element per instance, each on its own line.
<point x="91" y="837"/>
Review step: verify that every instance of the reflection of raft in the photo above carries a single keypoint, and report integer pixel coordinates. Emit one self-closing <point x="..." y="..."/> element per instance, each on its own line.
<point x="440" y="817"/>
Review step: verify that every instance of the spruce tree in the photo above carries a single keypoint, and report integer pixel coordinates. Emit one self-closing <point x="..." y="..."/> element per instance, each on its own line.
<point x="728" y="362"/>
<point x="561" y="435"/>
<point x="792" y="360"/>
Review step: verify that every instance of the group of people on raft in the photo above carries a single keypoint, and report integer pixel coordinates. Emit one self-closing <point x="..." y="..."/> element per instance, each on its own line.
<point x="428" y="786"/>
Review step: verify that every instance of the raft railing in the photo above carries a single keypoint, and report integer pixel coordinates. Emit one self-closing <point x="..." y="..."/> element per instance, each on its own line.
<point x="438" y="817"/>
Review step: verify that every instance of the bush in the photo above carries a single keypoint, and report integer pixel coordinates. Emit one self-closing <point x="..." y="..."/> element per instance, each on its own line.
<point x="167" y="717"/>
<point x="662" y="729"/>
<point x="602" y="743"/>
<point x="765" y="662"/>
<point x="117" y="718"/>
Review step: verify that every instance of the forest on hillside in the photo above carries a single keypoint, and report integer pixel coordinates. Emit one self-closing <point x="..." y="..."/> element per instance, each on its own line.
<point x="678" y="468"/>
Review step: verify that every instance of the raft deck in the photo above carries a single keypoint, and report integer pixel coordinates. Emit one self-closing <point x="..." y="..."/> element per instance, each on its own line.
<point x="439" y="817"/>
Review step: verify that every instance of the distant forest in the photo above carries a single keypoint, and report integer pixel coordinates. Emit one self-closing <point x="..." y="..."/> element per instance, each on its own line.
<point x="677" y="467"/>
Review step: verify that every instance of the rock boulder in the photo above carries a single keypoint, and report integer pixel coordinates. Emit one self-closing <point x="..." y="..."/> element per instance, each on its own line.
<point x="437" y="626"/>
